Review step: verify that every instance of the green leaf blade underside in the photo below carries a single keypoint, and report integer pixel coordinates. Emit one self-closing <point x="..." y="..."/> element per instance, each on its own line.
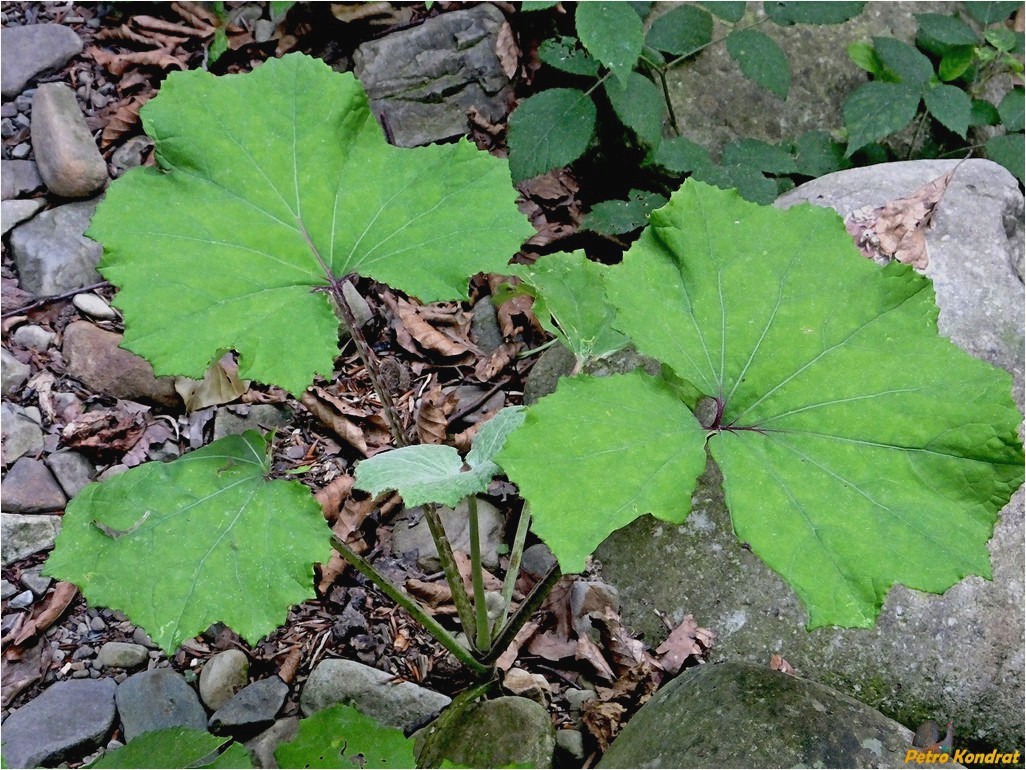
<point x="844" y="412"/>
<point x="178" y="546"/>
<point x="334" y="738"/>
<point x="253" y="210"/>
<point x="174" y="747"/>
<point x="600" y="452"/>
<point x="549" y="130"/>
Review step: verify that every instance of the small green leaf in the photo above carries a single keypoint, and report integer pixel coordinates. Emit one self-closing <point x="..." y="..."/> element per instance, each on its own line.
<point x="601" y="428"/>
<point x="612" y="33"/>
<point x="617" y="217"/>
<point x="771" y="158"/>
<point x="951" y="107"/>
<point x="570" y="302"/>
<point x="1008" y="151"/>
<point x="983" y="114"/>
<point x="760" y="59"/>
<point x="1001" y="38"/>
<point x="955" y="62"/>
<point x="876" y="110"/>
<point x="341" y="736"/>
<point x="640" y="7"/>
<point x="220" y="543"/>
<point x="549" y="130"/>
<point x="435" y="473"/>
<point x="749" y="182"/>
<point x="864" y="55"/>
<point x="638" y="104"/>
<point x="682" y="30"/>
<point x="904" y="60"/>
<point x="946" y="29"/>
<point x="788" y="13"/>
<point x="174" y="747"/>
<point x="566" y="55"/>
<point x="1012" y="108"/>
<point x="816" y="154"/>
<point x="680" y="155"/>
<point x="991" y="12"/>
<point x="729" y="10"/>
<point x="280" y="8"/>
<point x="218" y="45"/>
<point x="538" y="5"/>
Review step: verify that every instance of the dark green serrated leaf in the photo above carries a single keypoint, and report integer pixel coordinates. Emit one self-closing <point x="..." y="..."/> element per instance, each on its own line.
<point x="1002" y="38"/>
<point x="763" y="156"/>
<point x="617" y="217"/>
<point x="986" y="12"/>
<point x="983" y="113"/>
<point x="612" y="33"/>
<point x="805" y="12"/>
<point x="817" y="154"/>
<point x="761" y="60"/>
<point x="904" y="60"/>
<point x="876" y="110"/>
<point x="858" y="447"/>
<point x="205" y="538"/>
<point x="680" y="155"/>
<point x="641" y="7"/>
<point x="951" y="107"/>
<point x="174" y="747"/>
<point x="956" y="63"/>
<point x="864" y="55"/>
<point x="682" y="30"/>
<point x="1008" y="151"/>
<point x="1012" y="108"/>
<point x="750" y="183"/>
<point x="566" y="55"/>
<point x="946" y="29"/>
<point x="639" y="105"/>
<point x="538" y="5"/>
<point x="728" y="10"/>
<point x="254" y="211"/>
<point x="549" y="130"/>
<point x="341" y="736"/>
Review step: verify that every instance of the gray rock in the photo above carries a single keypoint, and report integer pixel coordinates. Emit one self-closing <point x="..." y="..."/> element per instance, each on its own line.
<point x="94" y="307"/>
<point x="140" y="637"/>
<point x="554" y="363"/>
<point x="67" y="719"/>
<point x="253" y="708"/>
<point x="19" y="178"/>
<point x="21" y="434"/>
<point x="72" y="470"/>
<point x="22" y="600"/>
<point x="35" y="581"/>
<point x="577" y="698"/>
<point x="588" y="596"/>
<point x="373" y="692"/>
<point x="537" y="560"/>
<point x="484" y="326"/>
<point x="94" y="358"/>
<point x="122" y="655"/>
<point x="222" y="677"/>
<point x="13" y="373"/>
<point x="570" y="743"/>
<point x="29" y="487"/>
<point x="423" y="80"/>
<point x="737" y="715"/>
<point x="262" y="747"/>
<point x="129" y="155"/>
<point x="406" y="538"/>
<point x="52" y="253"/>
<point x="24" y="535"/>
<point x="15" y="212"/>
<point x="260" y="417"/>
<point x="7" y="589"/>
<point x="34" y="50"/>
<point x="502" y="732"/>
<point x="68" y="159"/>
<point x="153" y="700"/>
<point x="34" y="337"/>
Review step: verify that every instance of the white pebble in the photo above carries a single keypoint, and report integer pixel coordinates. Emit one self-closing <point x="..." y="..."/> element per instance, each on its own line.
<point x="94" y="306"/>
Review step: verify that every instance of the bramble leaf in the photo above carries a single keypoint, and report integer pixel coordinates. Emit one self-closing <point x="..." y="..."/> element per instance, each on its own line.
<point x="771" y="158"/>
<point x="875" y="110"/>
<point x="761" y="60"/>
<point x="680" y="155"/>
<point x="805" y="12"/>
<point x="175" y="747"/>
<point x="251" y="214"/>
<point x="992" y="11"/>
<point x="681" y="30"/>
<point x="616" y="217"/>
<point x="638" y="103"/>
<point x="946" y="29"/>
<point x="816" y="154"/>
<point x="1008" y="151"/>
<point x="905" y="61"/>
<point x="548" y="130"/>
<point x="178" y="546"/>
<point x="951" y="106"/>
<point x="728" y="10"/>
<point x="564" y="54"/>
<point x="1012" y="109"/>
<point x="341" y="736"/>
<point x="612" y="33"/>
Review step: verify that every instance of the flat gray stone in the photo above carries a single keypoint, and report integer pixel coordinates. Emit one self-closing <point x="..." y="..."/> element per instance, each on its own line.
<point x="737" y="715"/>
<point x="52" y="253"/>
<point x="34" y="337"/>
<point x="122" y="655"/>
<point x="375" y="693"/>
<point x="7" y="589"/>
<point x="222" y="677"/>
<point x="259" y="417"/>
<point x="34" y="50"/>
<point x="71" y="469"/>
<point x="423" y="80"/>
<point x="35" y="581"/>
<point x="13" y="373"/>
<point x="262" y="746"/>
<point x="29" y="487"/>
<point x="537" y="560"/>
<point x="253" y="708"/>
<point x="153" y="700"/>
<point x="21" y="434"/>
<point x="19" y="178"/>
<point x="68" y="159"/>
<point x="94" y="306"/>
<point x="484" y="326"/>
<point x="22" y="535"/>
<point x="406" y="539"/>
<point x="69" y="718"/>
<point x="15" y="212"/>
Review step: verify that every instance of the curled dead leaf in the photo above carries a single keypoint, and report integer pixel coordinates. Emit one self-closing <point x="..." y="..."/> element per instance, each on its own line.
<point x="331" y="571"/>
<point x="124" y="121"/>
<point x="291" y="664"/>
<point x="507" y="51"/>
<point x="500" y="358"/>
<point x="333" y="496"/>
<point x="366" y="432"/>
<point x="603" y="719"/>
<point x="779" y="663"/>
<point x="444" y="330"/>
<point x="59" y="600"/>
<point x="118" y="63"/>
<point x="433" y="416"/>
<point x="433" y="594"/>
<point x="220" y="385"/>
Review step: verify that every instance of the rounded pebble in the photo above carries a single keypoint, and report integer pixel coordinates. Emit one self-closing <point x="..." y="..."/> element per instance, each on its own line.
<point x="94" y="307"/>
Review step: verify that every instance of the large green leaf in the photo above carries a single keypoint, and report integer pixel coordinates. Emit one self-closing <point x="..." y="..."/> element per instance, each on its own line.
<point x="905" y="61"/>
<point x="178" y="546"/>
<point x="612" y="33"/>
<point x="858" y="447"/>
<point x="341" y="736"/>
<point x="771" y="158"/>
<point x="875" y="110"/>
<point x="990" y="11"/>
<point x="1008" y="151"/>
<point x="175" y="747"/>
<point x="549" y="130"/>
<point x="946" y="29"/>
<point x="270" y="185"/>
<point x="761" y="59"/>
<point x="1012" y="109"/>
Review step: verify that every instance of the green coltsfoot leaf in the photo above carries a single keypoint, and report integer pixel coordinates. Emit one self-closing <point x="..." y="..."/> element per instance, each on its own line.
<point x="341" y="736"/>
<point x="175" y="747"/>
<point x="179" y="546"/>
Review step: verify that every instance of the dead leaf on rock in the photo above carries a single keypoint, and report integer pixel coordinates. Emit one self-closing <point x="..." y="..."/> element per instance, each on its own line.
<point x="779" y="663"/>
<point x="623" y="651"/>
<point x="220" y="385"/>
<point x="433" y="594"/>
<point x="551" y="647"/>
<point x="505" y="354"/>
<point x="588" y="651"/>
<point x="491" y="583"/>
<point x="376" y="13"/>
<point x="509" y="655"/>
<point x="59" y="600"/>
<point x="104" y="430"/>
<point x="22" y="668"/>
<point x="506" y="50"/>
<point x="331" y="571"/>
<point x="156" y="432"/>
<point x="685" y="641"/>
<point x="433" y="415"/>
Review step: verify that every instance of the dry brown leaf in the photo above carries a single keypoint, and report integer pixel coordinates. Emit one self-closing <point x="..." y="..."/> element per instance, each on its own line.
<point x="105" y="430"/>
<point x="124" y="34"/>
<point x="330" y="572"/>
<point x="157" y="432"/>
<point x="62" y="596"/>
<point x="433" y="594"/>
<point x="365" y="432"/>
<point x="551" y="647"/>
<point x="501" y="358"/>
<point x="445" y="332"/>
<point x="220" y="384"/>
<point x="291" y="664"/>
<point x="171" y="28"/>
<point x="433" y="415"/>
<point x="603" y="719"/>
<point x="779" y="663"/>
<point x="118" y="63"/>
<point x="376" y="13"/>
<point x="195" y="14"/>
<point x="22" y="668"/>
<point x="515" y="314"/>
<point x="123" y="121"/>
<point x="491" y="583"/>
<point x="623" y="651"/>
<point x="333" y="496"/>
<point x="588" y="651"/>
<point x="506" y="50"/>
<point x="681" y="644"/>
<point x="509" y="655"/>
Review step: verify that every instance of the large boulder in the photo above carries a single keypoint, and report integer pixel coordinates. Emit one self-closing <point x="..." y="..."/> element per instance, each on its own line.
<point x="952" y="657"/>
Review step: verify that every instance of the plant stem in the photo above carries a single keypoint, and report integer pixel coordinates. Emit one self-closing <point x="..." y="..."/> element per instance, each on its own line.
<point x="533" y="351"/>
<point x="523" y="614"/>
<point x="477" y="575"/>
<point x="701" y="48"/>
<point x="669" y="104"/>
<point x="515" y="555"/>
<point x="370" y="362"/>
<point x="412" y="606"/>
<point x="452" y="572"/>
<point x="915" y="135"/>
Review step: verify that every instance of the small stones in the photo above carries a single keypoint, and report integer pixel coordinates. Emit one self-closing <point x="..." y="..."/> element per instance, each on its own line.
<point x="253" y="708"/>
<point x="484" y="327"/>
<point x="537" y="560"/>
<point x="52" y="253"/>
<point x="260" y="417"/>
<point x="72" y="470"/>
<point x="577" y="698"/>
<point x="13" y="373"/>
<point x="69" y="160"/>
<point x="21" y="433"/>
<point x="32" y="50"/>
<point x="35" y="581"/>
<point x="122" y="655"/>
<point x="528" y="685"/>
<point x="7" y="589"/>
<point x="130" y="155"/>
<point x="94" y="307"/>
<point x="570" y="743"/>
<point x="19" y="178"/>
<point x="34" y="337"/>
<point x="222" y="677"/>
<point x="15" y="212"/>
<point x="29" y="487"/>
<point x="153" y="700"/>
<point x="22" y="600"/>
<point x="23" y="535"/>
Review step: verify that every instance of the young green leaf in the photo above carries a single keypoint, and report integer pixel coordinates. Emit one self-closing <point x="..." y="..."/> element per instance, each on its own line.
<point x="565" y="55"/>
<point x="905" y="61"/>
<point x="1012" y="109"/>
<point x="600" y="452"/>
<point x="435" y="473"/>
<point x="1008" y="151"/>
<point x="771" y="158"/>
<point x="549" y="130"/>
<point x="761" y="59"/>
<point x="570" y="302"/>
<point x="731" y="11"/>
<point x="983" y="113"/>
<point x="875" y="110"/>
<point x="864" y="55"/>
<point x="682" y="30"/>
<point x="750" y="183"/>
<point x="956" y="62"/>
<point x="175" y="747"/>
<point x="638" y="103"/>
<point x="341" y="736"/>
<point x="252" y="214"/>
<point x="990" y="12"/>
<point x="612" y="33"/>
<point x="946" y="29"/>
<point x="538" y="5"/>
<point x="617" y="217"/>
<point x="858" y="447"/>
<point x="805" y="12"/>
<point x="202" y="539"/>
<point x="951" y="107"/>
